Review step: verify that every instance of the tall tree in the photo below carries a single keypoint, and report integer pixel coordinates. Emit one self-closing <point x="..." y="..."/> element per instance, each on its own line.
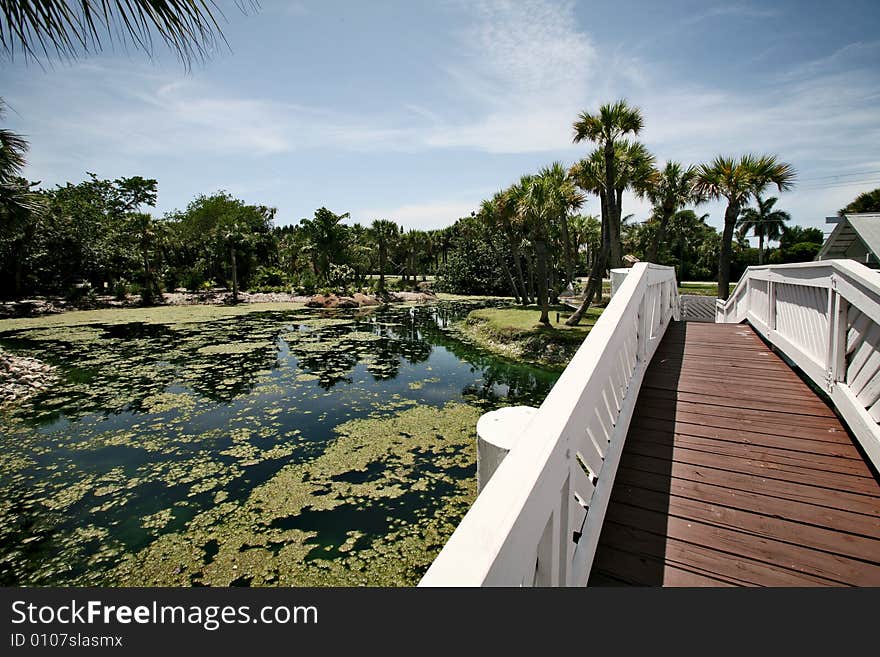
<point x="490" y="215"/>
<point x="590" y="176"/>
<point x="738" y="181"/>
<point x="534" y="200"/>
<point x="220" y="238"/>
<point x="671" y="190"/>
<point x="384" y="234"/>
<point x="564" y="198"/>
<point x="509" y="218"/>
<point x="585" y="232"/>
<point x="613" y="122"/>
<point x="633" y="170"/>
<point x="17" y="199"/>
<point x="764" y="222"/>
<point x="864" y="202"/>
<point x="326" y="236"/>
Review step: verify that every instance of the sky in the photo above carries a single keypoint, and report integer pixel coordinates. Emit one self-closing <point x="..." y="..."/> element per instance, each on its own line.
<point x="416" y="111"/>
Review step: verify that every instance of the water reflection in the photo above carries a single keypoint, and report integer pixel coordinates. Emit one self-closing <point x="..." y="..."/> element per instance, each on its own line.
<point x="157" y="425"/>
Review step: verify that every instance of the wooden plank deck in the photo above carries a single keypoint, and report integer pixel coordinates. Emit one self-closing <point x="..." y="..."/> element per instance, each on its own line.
<point x="735" y="473"/>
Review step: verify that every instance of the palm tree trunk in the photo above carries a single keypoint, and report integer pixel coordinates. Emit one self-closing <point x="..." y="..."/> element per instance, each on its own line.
<point x="761" y="248"/>
<point x="498" y="255"/>
<point x="517" y="260"/>
<point x="615" y="228"/>
<point x="381" y="268"/>
<point x="566" y="250"/>
<point x="543" y="281"/>
<point x="594" y="283"/>
<point x="234" y="275"/>
<point x="730" y="216"/>
<point x="147" y="292"/>
<point x="530" y="269"/>
<point x="19" y="269"/>
<point x="600" y="260"/>
<point x="613" y="212"/>
<point x="659" y="237"/>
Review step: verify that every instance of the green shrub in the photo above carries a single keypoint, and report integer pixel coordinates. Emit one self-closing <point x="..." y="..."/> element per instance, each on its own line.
<point x="120" y="289"/>
<point x="268" y="277"/>
<point x="307" y="283"/>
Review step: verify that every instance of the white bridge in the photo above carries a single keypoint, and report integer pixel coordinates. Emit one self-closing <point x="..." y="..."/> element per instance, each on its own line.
<point x="707" y="457"/>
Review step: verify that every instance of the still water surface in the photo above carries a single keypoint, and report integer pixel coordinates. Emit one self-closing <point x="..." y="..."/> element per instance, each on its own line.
<point x="245" y="446"/>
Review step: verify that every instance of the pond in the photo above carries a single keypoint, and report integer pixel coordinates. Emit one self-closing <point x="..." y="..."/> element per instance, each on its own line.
<point x="249" y="445"/>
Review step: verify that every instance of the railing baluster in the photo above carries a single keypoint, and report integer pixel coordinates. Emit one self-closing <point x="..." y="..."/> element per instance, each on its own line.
<point x="838" y="332"/>
<point x="771" y="303"/>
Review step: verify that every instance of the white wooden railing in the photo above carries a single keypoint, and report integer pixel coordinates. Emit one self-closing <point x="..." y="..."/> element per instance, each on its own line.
<point x="825" y="317"/>
<point x="538" y="520"/>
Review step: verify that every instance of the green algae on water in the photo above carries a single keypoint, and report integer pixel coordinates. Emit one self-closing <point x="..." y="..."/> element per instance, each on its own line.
<point x="279" y="535"/>
<point x="242" y="444"/>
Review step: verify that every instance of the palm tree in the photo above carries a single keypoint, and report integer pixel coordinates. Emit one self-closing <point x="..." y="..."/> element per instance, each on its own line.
<point x="764" y="222"/>
<point x="326" y="238"/>
<point x="688" y="232"/>
<point x="535" y="203"/>
<point x="384" y="234"/>
<point x="738" y="181"/>
<point x="613" y="122"/>
<point x="142" y="225"/>
<point x="672" y="189"/>
<point x="188" y="27"/>
<point x="864" y="202"/>
<point x="509" y="218"/>
<point x="589" y="174"/>
<point x="585" y="233"/>
<point x="634" y="170"/>
<point x="564" y="198"/>
<point x="16" y="196"/>
<point x="492" y="220"/>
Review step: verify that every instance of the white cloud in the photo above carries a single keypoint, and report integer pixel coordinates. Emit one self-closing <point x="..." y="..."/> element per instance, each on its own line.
<point x="517" y="77"/>
<point x="424" y="216"/>
<point x="525" y="67"/>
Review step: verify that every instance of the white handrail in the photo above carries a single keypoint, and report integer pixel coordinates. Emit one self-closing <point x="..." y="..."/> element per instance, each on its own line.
<point x="825" y="317"/>
<point x="538" y="520"/>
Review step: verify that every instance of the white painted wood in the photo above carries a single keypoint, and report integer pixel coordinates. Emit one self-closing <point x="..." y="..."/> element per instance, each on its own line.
<point x="538" y="519"/>
<point x="497" y="433"/>
<point x="825" y="317"/>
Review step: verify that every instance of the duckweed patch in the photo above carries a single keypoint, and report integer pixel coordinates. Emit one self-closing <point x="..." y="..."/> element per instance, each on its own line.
<point x="374" y="508"/>
<point x="263" y="445"/>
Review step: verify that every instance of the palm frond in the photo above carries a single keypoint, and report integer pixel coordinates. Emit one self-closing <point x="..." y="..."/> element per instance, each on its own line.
<point x="613" y="121"/>
<point x="40" y="29"/>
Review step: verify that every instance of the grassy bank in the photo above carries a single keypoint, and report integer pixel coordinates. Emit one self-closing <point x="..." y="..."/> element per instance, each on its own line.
<point x="704" y="289"/>
<point x="514" y="332"/>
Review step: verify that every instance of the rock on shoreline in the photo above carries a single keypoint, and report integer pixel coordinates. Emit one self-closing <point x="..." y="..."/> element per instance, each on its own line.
<point x="360" y="300"/>
<point x="22" y="377"/>
<point x="50" y="305"/>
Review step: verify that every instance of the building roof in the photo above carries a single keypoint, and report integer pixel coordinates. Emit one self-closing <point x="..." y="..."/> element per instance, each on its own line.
<point x="864" y="227"/>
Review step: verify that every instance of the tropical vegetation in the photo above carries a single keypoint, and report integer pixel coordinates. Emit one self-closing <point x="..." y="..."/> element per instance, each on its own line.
<point x="530" y="240"/>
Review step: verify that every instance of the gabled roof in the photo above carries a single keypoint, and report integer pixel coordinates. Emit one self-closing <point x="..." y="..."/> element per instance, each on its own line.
<point x="864" y="227"/>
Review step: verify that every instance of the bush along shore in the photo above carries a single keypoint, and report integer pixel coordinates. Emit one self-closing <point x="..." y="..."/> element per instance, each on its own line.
<point x="513" y="333"/>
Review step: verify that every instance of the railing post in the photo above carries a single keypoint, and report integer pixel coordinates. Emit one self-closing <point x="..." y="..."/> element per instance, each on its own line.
<point x="837" y="331"/>
<point x="748" y="296"/>
<point x="771" y="302"/>
<point x="643" y="326"/>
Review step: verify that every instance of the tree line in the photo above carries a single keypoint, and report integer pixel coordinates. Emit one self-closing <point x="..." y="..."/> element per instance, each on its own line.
<point x="537" y="206"/>
<point x="529" y="240"/>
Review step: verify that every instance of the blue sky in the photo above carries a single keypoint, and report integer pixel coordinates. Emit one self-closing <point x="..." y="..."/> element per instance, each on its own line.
<point x="415" y="111"/>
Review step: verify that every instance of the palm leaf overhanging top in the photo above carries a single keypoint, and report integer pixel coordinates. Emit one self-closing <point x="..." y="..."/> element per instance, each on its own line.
<point x="40" y="29"/>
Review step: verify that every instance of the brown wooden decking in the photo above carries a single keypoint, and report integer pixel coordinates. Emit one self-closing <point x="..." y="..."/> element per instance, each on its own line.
<point x="734" y="472"/>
